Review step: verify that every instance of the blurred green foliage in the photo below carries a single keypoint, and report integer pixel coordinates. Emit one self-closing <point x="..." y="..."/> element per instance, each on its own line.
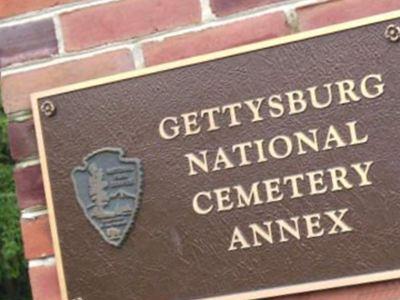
<point x="14" y="283"/>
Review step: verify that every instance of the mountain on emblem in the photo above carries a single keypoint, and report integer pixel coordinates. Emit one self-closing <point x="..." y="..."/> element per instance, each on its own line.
<point x="108" y="189"/>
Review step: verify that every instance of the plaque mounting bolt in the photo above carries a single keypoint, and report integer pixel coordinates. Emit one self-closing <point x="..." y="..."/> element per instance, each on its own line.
<point x="392" y="33"/>
<point x="48" y="108"/>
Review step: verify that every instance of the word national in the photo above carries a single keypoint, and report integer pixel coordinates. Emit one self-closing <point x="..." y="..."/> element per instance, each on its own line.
<point x="278" y="147"/>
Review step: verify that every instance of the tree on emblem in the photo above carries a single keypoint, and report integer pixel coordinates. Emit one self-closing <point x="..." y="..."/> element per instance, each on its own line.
<point x="97" y="192"/>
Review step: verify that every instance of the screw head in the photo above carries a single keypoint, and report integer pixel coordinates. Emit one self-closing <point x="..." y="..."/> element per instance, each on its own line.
<point x="48" y="108"/>
<point x="392" y="33"/>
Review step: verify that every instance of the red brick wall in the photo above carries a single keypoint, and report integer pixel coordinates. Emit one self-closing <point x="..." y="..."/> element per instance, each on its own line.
<point x="50" y="43"/>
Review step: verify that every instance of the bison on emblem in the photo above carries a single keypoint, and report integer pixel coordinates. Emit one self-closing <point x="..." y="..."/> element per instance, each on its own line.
<point x="108" y="189"/>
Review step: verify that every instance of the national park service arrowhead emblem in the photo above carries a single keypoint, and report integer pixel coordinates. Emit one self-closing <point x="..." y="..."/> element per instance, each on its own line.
<point x="108" y="188"/>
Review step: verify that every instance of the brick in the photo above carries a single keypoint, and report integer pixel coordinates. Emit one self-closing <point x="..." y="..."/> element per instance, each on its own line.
<point x="29" y="186"/>
<point x="9" y="8"/>
<point x="214" y="39"/>
<point x="227" y="7"/>
<point x="36" y="237"/>
<point x="22" y="139"/>
<point x="373" y="291"/>
<point x="17" y="88"/>
<point x="125" y="19"/>
<point x="27" y="41"/>
<point x="44" y="283"/>
<point x="341" y="11"/>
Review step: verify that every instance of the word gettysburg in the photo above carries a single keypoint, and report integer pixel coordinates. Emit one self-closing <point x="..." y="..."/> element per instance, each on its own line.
<point x="276" y="106"/>
<point x="283" y="187"/>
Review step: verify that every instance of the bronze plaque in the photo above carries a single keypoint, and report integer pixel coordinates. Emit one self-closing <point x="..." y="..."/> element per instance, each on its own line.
<point x="264" y="170"/>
